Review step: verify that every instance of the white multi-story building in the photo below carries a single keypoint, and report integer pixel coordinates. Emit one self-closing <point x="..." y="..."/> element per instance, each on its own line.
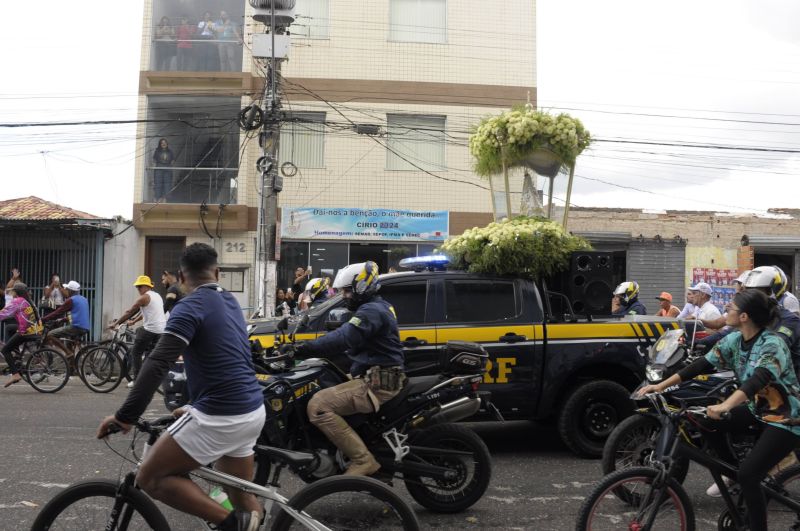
<point x="379" y="96"/>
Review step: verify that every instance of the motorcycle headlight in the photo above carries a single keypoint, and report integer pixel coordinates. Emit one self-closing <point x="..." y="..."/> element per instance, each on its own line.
<point x="654" y="374"/>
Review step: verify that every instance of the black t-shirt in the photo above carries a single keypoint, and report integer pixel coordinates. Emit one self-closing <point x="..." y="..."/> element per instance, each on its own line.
<point x="173" y="295"/>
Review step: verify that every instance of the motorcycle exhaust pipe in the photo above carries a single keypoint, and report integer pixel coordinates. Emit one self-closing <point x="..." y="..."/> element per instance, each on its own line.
<point x="454" y="411"/>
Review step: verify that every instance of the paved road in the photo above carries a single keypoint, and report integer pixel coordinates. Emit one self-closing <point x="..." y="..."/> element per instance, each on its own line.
<point x="48" y="443"/>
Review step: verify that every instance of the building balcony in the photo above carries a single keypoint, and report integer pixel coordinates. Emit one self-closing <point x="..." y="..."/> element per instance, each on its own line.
<point x="181" y="184"/>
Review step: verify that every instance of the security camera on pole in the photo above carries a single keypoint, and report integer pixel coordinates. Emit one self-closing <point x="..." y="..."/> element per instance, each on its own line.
<point x="276" y="15"/>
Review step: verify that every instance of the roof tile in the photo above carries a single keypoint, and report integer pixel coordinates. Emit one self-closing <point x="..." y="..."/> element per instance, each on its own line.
<point x="33" y="208"/>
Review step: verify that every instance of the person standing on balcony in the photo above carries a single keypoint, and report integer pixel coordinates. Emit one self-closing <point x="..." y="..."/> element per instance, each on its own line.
<point x="206" y="31"/>
<point x="184" y="35"/>
<point x="230" y="39"/>
<point x="162" y="176"/>
<point x="165" y="44"/>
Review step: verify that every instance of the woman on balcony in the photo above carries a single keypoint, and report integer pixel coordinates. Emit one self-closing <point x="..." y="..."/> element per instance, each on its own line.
<point x="162" y="159"/>
<point x="165" y="44"/>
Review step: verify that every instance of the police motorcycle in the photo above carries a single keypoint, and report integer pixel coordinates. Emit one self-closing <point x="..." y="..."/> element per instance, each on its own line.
<point x="633" y="440"/>
<point x="445" y="466"/>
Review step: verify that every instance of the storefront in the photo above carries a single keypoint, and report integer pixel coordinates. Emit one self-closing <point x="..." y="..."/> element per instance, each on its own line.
<point x="327" y="239"/>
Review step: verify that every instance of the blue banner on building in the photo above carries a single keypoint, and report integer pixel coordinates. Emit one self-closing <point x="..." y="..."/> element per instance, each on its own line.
<point x="373" y="224"/>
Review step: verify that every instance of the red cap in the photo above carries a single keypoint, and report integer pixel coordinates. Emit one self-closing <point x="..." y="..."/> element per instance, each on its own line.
<point x="665" y="296"/>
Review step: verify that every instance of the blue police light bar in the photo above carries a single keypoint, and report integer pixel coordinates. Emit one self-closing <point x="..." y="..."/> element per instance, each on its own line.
<point x="418" y="263"/>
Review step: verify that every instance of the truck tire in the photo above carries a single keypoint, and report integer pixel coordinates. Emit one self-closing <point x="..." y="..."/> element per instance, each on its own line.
<point x="589" y="414"/>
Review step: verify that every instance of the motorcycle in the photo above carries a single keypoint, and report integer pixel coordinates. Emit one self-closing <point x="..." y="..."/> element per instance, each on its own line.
<point x="445" y="466"/>
<point x="633" y="440"/>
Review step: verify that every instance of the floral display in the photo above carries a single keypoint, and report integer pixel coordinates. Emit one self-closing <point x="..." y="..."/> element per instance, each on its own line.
<point x="529" y="247"/>
<point x="514" y="135"/>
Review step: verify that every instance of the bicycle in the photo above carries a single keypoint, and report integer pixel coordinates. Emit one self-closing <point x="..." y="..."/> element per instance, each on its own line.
<point x="658" y="501"/>
<point x="112" y="505"/>
<point x="103" y="365"/>
<point x="43" y="368"/>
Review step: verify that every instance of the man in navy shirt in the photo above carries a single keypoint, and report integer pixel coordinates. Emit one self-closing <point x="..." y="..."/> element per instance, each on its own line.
<point x="227" y="410"/>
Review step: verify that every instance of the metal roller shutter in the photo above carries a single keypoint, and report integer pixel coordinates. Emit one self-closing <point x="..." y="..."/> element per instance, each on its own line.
<point x="658" y="266"/>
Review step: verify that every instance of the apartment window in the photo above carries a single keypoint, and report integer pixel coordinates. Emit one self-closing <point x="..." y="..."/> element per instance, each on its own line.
<point x="192" y="149"/>
<point x="303" y="139"/>
<point x="312" y="19"/>
<point x="415" y="142"/>
<point x="418" y="21"/>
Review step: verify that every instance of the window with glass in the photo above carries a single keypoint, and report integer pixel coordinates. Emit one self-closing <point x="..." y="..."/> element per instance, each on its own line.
<point x="192" y="153"/>
<point x="418" y="21"/>
<point x="312" y="20"/>
<point x="327" y="258"/>
<point x="480" y="301"/>
<point x="197" y="36"/>
<point x="415" y="142"/>
<point x="408" y="300"/>
<point x="303" y="139"/>
<point x="293" y="255"/>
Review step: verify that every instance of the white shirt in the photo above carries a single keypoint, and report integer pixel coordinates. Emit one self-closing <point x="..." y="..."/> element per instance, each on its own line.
<point x="153" y="314"/>
<point x="790" y="302"/>
<point x="708" y="312"/>
<point x="689" y="310"/>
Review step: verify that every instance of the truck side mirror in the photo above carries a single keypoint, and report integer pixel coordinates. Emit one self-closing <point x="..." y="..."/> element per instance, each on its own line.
<point x="337" y="317"/>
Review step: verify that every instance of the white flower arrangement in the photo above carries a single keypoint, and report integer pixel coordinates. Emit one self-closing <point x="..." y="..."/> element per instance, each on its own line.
<point x="514" y="135"/>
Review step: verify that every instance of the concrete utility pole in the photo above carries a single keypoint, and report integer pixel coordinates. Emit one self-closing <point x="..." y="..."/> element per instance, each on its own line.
<point x="277" y="15"/>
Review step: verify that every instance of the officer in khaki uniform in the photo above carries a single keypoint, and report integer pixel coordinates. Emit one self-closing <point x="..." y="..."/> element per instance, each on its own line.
<point x="372" y="341"/>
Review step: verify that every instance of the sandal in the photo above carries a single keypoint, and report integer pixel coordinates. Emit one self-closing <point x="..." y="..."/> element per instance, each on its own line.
<point x="12" y="381"/>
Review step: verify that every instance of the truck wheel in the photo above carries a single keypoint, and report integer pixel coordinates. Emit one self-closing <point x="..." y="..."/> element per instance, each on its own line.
<point x="590" y="413"/>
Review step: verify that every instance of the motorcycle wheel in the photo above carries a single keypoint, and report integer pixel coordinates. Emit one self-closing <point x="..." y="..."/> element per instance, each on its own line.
<point x="631" y="444"/>
<point x="473" y="474"/>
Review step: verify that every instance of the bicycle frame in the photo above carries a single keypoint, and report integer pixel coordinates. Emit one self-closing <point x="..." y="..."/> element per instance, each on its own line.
<point x="269" y="494"/>
<point x="671" y="445"/>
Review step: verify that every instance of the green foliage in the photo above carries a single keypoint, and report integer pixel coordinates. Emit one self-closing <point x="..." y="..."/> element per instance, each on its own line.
<point x="529" y="247"/>
<point x="515" y="134"/>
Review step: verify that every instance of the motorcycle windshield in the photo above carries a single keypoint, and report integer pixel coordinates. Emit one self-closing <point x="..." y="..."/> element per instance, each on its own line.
<point x="667" y="350"/>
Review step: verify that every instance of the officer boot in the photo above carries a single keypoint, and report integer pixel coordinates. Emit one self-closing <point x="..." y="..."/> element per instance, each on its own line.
<point x="362" y="462"/>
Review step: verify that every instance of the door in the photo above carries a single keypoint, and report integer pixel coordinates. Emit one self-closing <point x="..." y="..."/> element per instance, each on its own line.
<point x="658" y="266"/>
<point x="490" y="312"/>
<point x="162" y="253"/>
<point x="417" y="334"/>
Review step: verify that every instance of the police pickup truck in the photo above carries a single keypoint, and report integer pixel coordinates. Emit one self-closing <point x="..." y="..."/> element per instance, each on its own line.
<point x="578" y="373"/>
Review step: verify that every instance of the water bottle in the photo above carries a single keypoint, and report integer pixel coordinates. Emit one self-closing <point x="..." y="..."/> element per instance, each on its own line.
<point x="219" y="496"/>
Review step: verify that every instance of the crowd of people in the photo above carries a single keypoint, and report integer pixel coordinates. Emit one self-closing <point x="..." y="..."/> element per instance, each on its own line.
<point x="206" y="44"/>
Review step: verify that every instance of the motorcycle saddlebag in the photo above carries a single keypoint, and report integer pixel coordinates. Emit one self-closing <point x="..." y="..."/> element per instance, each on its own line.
<point x="463" y="357"/>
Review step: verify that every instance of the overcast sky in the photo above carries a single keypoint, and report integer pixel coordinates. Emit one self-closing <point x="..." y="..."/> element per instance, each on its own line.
<point x="647" y="78"/>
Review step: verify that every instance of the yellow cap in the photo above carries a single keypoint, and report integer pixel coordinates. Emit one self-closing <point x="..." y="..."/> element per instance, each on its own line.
<point x="143" y="280"/>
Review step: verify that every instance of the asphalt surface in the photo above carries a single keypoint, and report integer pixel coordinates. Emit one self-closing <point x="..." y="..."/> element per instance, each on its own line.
<point x="48" y="443"/>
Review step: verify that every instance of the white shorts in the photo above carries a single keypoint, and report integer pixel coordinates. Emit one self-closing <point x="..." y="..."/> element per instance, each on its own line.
<point x="206" y="438"/>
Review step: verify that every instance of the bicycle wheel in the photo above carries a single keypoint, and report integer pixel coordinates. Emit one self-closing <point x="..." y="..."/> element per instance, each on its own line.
<point x="631" y="444"/>
<point x="47" y="370"/>
<point x="603" y="510"/>
<point x="88" y="505"/>
<point x="787" y="482"/>
<point x="101" y="370"/>
<point x="351" y="503"/>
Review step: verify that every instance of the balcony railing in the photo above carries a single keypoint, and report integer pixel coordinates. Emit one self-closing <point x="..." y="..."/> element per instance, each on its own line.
<point x="191" y="185"/>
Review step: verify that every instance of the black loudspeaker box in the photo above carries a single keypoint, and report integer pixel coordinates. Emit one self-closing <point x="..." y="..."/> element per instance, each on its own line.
<point x="589" y="282"/>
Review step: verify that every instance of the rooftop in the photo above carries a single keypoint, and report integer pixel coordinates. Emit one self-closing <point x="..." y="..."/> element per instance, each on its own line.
<point x="33" y="208"/>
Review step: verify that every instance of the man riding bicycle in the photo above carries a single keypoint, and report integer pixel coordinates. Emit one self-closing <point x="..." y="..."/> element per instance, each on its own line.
<point x="227" y="410"/>
<point x="769" y="395"/>
<point x="78" y="308"/>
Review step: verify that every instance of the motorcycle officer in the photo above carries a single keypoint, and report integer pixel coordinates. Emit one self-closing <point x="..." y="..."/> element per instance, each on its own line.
<point x="317" y="291"/>
<point x="372" y="342"/>
<point x="626" y="300"/>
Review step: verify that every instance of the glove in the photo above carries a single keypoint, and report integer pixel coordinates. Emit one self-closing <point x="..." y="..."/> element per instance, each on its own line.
<point x="288" y="348"/>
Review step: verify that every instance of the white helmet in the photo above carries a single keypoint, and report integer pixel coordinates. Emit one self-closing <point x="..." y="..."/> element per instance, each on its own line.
<point x="362" y="278"/>
<point x="315" y="286"/>
<point x="627" y="291"/>
<point x="770" y="277"/>
<point x="741" y="279"/>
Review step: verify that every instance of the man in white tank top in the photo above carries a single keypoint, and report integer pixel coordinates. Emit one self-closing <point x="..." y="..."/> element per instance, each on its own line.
<point x="151" y="305"/>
